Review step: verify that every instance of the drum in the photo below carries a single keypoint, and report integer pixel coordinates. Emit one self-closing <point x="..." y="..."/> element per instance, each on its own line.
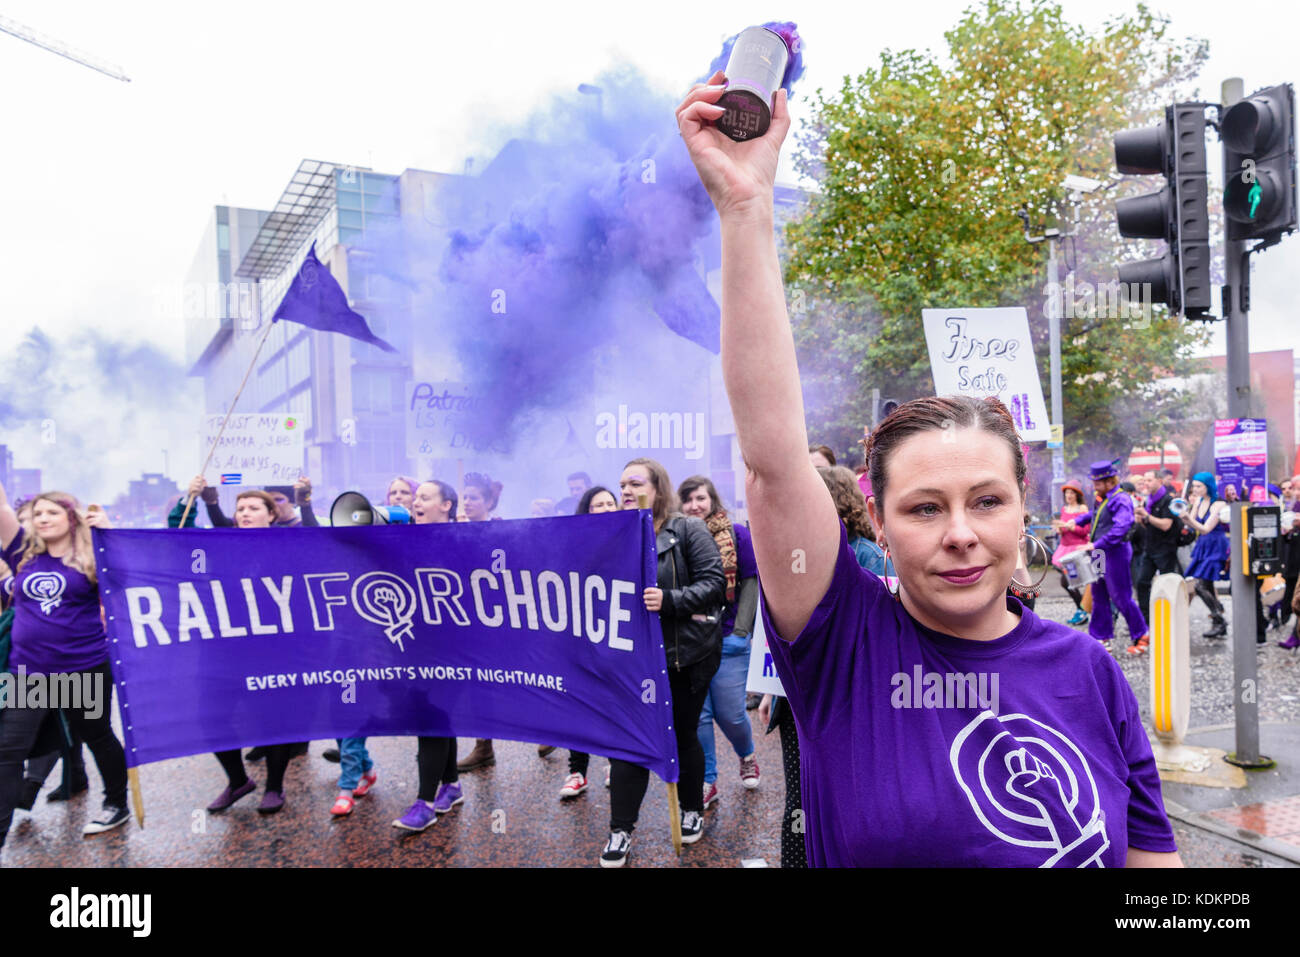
<point x="1083" y="567"/>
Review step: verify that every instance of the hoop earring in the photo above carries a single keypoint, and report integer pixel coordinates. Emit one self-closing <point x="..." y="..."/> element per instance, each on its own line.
<point x="893" y="588"/>
<point x="1046" y="563"/>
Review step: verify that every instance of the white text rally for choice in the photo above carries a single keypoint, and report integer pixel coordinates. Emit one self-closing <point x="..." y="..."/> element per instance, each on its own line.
<point x="573" y="603"/>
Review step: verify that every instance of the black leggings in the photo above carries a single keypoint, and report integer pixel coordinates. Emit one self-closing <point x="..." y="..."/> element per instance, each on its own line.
<point x="20" y="729"/>
<point x="579" y="760"/>
<point x="1205" y="590"/>
<point x="1074" y="593"/>
<point x="277" y="762"/>
<point x="793" y="852"/>
<point x="627" y="782"/>
<point x="436" y="760"/>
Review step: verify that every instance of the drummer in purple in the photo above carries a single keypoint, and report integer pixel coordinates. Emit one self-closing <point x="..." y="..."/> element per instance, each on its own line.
<point x="1110" y="528"/>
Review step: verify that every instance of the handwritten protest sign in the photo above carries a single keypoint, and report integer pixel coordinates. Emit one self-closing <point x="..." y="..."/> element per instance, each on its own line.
<point x="984" y="352"/>
<point x="440" y="422"/>
<point x="257" y="448"/>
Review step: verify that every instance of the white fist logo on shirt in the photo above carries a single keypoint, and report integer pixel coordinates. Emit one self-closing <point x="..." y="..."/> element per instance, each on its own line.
<point x="1031" y="786"/>
<point x="46" y="588"/>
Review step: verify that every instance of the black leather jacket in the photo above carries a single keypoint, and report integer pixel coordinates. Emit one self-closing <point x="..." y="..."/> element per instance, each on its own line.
<point x="694" y="587"/>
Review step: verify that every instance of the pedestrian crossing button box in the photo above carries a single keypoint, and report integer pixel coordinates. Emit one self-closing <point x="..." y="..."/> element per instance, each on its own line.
<point x="1263" y="541"/>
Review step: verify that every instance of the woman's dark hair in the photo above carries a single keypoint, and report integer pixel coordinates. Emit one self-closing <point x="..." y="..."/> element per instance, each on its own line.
<point x="825" y="450"/>
<point x="850" y="503"/>
<point x="934" y="414"/>
<point x="687" y="489"/>
<point x="448" y="494"/>
<point x="491" y="490"/>
<point x="584" y="503"/>
<point x="665" y="505"/>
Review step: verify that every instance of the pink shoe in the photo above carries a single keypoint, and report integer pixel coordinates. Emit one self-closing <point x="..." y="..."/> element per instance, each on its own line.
<point x="343" y="805"/>
<point x="367" y="782"/>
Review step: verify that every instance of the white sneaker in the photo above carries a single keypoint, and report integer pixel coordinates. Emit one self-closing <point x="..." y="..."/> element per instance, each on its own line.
<point x="574" y="785"/>
<point x="616" y="849"/>
<point x="692" y="827"/>
<point x="749" y="775"/>
<point x="110" y="817"/>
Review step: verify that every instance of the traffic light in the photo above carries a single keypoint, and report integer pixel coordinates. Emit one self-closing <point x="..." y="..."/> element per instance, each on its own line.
<point x="1177" y="214"/>
<point x="1259" y="164"/>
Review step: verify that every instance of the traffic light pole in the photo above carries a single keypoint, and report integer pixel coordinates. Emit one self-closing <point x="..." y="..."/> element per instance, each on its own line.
<point x="1236" y="312"/>
<point x="1053" y="309"/>
<point x="1054" y="332"/>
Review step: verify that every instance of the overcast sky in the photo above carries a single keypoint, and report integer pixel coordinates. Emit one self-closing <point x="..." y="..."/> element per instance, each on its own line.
<point x="107" y="185"/>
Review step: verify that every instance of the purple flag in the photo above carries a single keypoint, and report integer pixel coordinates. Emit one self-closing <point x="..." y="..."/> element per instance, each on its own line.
<point x="316" y="300"/>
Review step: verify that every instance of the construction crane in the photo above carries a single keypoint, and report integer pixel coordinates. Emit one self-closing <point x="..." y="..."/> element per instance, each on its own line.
<point x="14" y="28"/>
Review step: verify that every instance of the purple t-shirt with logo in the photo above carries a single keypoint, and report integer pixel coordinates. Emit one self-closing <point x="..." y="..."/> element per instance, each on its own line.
<point x="57" y="627"/>
<point x="925" y="750"/>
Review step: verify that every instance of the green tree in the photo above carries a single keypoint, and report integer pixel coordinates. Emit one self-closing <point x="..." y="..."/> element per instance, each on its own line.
<point x="922" y="165"/>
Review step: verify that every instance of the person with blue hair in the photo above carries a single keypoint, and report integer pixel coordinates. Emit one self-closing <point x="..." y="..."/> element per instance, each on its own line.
<point x="1211" y="549"/>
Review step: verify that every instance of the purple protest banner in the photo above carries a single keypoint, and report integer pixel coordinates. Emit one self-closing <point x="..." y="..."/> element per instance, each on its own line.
<point x="524" y="630"/>
<point x="1241" y="455"/>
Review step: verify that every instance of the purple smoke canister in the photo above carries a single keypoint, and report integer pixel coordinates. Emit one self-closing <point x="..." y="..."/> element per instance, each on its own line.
<point x="754" y="71"/>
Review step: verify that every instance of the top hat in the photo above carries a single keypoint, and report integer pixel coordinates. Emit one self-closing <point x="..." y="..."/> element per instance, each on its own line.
<point x="1102" y="470"/>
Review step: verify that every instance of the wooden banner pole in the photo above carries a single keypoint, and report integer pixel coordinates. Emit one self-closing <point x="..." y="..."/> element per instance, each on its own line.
<point x="137" y="796"/>
<point x="675" y="817"/>
<point x="189" y="501"/>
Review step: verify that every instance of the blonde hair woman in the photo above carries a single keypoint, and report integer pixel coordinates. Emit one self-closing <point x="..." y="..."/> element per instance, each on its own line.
<point x="58" y="628"/>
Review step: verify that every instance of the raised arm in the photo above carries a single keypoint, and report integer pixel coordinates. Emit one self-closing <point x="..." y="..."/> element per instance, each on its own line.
<point x="8" y="519"/>
<point x="792" y="517"/>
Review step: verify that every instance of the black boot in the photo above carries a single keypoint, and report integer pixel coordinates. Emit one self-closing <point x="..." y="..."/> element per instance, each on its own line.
<point x="28" y="797"/>
<point x="1220" y="629"/>
<point x="69" y="788"/>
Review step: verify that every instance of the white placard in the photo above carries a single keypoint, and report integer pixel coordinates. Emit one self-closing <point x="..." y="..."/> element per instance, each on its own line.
<point x="983" y="352"/>
<point x="762" y="672"/>
<point x="256" y="448"/>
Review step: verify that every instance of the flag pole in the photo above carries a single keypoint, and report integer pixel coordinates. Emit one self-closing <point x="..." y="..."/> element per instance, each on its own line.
<point x="674" y="807"/>
<point x="137" y="796"/>
<point x="189" y="501"/>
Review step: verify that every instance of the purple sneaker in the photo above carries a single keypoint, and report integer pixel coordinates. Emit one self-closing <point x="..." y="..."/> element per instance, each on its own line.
<point x="448" y="796"/>
<point x="230" y="795"/>
<point x="419" y="816"/>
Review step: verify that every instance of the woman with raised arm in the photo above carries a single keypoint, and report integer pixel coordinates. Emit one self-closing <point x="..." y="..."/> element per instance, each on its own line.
<point x="58" y="641"/>
<point x="946" y="724"/>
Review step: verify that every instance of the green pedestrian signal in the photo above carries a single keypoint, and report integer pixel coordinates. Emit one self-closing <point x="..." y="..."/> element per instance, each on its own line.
<point x="1259" y="154"/>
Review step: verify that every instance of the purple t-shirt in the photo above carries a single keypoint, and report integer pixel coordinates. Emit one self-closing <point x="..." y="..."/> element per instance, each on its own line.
<point x="1049" y="766"/>
<point x="57" y="627"/>
<point x="746" y="567"/>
